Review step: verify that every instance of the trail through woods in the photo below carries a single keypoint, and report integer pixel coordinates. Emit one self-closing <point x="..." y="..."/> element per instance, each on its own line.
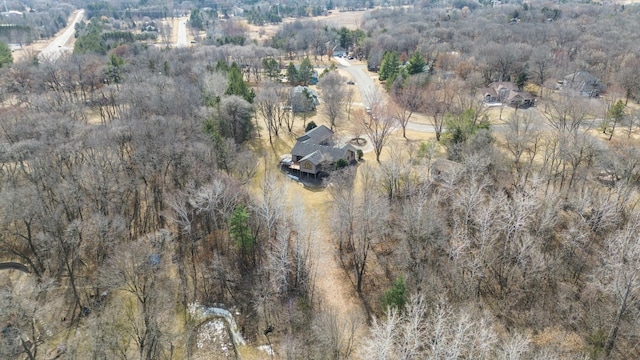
<point x="333" y="286"/>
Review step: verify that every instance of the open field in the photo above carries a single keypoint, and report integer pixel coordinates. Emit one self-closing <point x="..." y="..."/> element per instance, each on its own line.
<point x="349" y="19"/>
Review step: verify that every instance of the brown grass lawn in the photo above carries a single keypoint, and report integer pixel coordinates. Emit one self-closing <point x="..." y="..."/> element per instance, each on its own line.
<point x="349" y="19"/>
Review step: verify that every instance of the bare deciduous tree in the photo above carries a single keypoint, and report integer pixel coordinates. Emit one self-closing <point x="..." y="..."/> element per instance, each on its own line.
<point x="522" y="139"/>
<point x="567" y="112"/>
<point x="139" y="269"/>
<point x="337" y="336"/>
<point x="621" y="277"/>
<point x="269" y="103"/>
<point x="334" y="94"/>
<point x="378" y="125"/>
<point x="408" y="100"/>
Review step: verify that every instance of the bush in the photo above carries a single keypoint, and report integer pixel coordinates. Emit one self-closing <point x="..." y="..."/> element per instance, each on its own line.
<point x="310" y="126"/>
<point x="341" y="163"/>
<point x="396" y="296"/>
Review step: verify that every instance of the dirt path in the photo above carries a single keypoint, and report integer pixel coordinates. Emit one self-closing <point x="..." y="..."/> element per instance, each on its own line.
<point x="332" y="284"/>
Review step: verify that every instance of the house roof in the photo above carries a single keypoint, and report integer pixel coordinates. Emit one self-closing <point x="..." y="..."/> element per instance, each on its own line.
<point x="315" y="157"/>
<point x="316" y="135"/>
<point x="312" y="146"/>
<point x="297" y="91"/>
<point x="504" y="85"/>
<point x="583" y="80"/>
<point x="512" y="92"/>
<point x="328" y="153"/>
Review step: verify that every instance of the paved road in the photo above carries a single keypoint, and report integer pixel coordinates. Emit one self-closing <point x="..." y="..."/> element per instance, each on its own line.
<point x="58" y="46"/>
<point x="367" y="86"/>
<point x="181" y="39"/>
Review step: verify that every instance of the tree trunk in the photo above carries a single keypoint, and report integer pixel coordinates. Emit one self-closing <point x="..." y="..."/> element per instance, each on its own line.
<point x="613" y="334"/>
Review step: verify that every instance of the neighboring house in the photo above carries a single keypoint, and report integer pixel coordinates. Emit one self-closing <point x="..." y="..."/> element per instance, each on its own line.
<point x="582" y="82"/>
<point x="303" y="99"/>
<point x="339" y="51"/>
<point x="315" y="151"/>
<point x="507" y="93"/>
<point x="237" y="11"/>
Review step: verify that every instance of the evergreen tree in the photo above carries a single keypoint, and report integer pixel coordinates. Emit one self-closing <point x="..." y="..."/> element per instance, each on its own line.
<point x="271" y="68"/>
<point x="240" y="231"/>
<point x="390" y="66"/>
<point x="237" y="85"/>
<point x="416" y="64"/>
<point x="195" y="19"/>
<point x="522" y="78"/>
<point x="344" y="37"/>
<point x="396" y="297"/>
<point x="115" y="69"/>
<point x="5" y="55"/>
<point x="310" y="126"/>
<point x="91" y="40"/>
<point x="292" y="74"/>
<point x="305" y="73"/>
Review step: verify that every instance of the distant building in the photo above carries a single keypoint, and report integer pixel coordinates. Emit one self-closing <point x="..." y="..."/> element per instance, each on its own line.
<point x="303" y="99"/>
<point x="507" y="93"/>
<point x="583" y="83"/>
<point x="339" y="51"/>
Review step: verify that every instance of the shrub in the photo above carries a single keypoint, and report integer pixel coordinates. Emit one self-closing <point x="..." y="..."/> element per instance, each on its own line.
<point x="341" y="163"/>
<point x="396" y="296"/>
<point x="310" y="126"/>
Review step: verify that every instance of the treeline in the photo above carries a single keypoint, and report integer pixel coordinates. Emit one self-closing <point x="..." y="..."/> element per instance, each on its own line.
<point x="94" y="38"/>
<point x="41" y="21"/>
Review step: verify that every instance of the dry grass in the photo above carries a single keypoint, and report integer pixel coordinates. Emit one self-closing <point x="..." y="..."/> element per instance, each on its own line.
<point x="349" y="19"/>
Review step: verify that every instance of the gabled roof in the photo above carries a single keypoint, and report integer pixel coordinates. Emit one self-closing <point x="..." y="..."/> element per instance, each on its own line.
<point x="316" y="135"/>
<point x="299" y="89"/>
<point x="583" y="81"/>
<point x="315" y="157"/>
<point x="503" y="85"/>
<point x="312" y="146"/>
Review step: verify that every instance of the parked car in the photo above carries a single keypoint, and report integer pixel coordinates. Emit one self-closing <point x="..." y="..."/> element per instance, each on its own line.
<point x="350" y="82"/>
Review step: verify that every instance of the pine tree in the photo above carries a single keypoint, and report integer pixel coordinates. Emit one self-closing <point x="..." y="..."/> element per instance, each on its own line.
<point x="416" y="64"/>
<point x="522" y="78"/>
<point x="390" y="66"/>
<point x="237" y="85"/>
<point x="292" y="74"/>
<point x="305" y="73"/>
<point x="271" y="68"/>
<point x="240" y="231"/>
<point x="5" y="55"/>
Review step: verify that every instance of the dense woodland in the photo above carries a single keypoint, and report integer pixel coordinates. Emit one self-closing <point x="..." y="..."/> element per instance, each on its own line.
<point x="136" y="180"/>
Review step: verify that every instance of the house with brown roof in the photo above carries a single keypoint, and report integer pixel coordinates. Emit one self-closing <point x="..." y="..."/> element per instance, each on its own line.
<point x="315" y="151"/>
<point x="507" y="93"/>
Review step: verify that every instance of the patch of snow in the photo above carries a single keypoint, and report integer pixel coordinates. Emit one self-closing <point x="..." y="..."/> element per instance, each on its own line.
<point x="266" y="348"/>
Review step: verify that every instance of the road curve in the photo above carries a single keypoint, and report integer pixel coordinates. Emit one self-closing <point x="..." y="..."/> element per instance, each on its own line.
<point x="366" y="85"/>
<point x="57" y="46"/>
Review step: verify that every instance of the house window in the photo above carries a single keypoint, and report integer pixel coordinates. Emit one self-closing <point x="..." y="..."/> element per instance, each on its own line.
<point x="307" y="165"/>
